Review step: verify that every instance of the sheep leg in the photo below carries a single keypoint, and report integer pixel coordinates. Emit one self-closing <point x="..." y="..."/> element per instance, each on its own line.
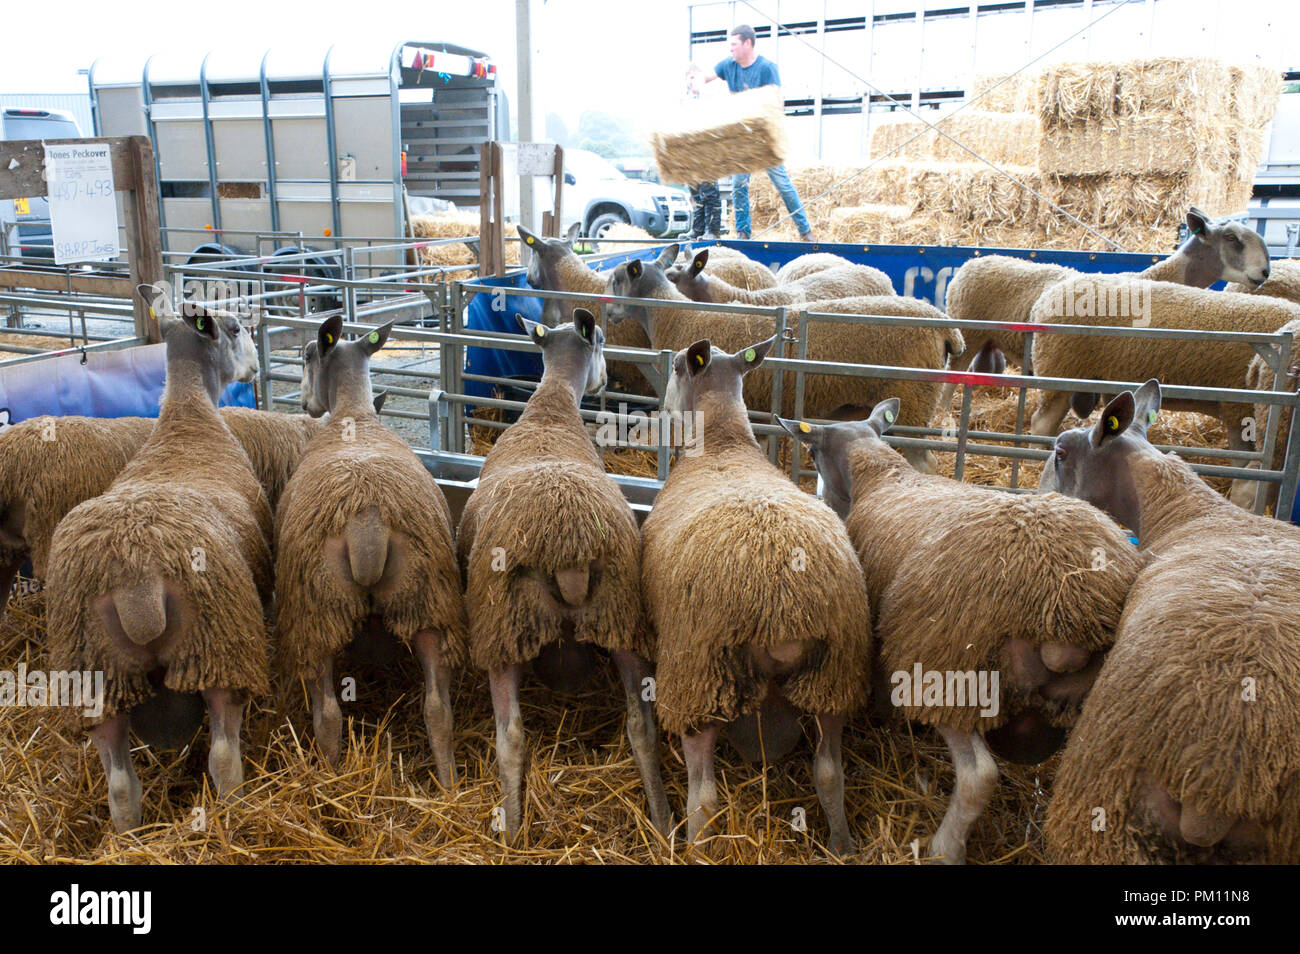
<point x="1051" y="412"/>
<point x="701" y="786"/>
<point x="112" y="741"/>
<point x="510" y="741"/>
<point x="643" y="736"/>
<point x="326" y="717"/>
<point x="437" y="704"/>
<point x="977" y="776"/>
<point x="226" y="713"/>
<point x="828" y="778"/>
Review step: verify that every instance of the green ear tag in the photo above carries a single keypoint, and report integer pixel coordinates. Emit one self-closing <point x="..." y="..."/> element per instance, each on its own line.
<point x="805" y="427"/>
<point x="1112" y="424"/>
<point x="889" y="416"/>
<point x="373" y="337"/>
<point x="198" y="323"/>
<point x="541" y="331"/>
<point x="750" y="355"/>
<point x="1151" y="416"/>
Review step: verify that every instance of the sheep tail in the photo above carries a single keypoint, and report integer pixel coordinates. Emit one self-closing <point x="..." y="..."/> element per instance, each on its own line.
<point x="573" y="582"/>
<point x="367" y="541"/>
<point x="138" y="612"/>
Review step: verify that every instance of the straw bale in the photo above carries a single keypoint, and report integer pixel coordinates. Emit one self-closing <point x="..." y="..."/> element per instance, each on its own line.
<point x="1002" y="138"/>
<point x="1156" y="144"/>
<point x="445" y="225"/>
<point x="868" y="224"/>
<point x="719" y="136"/>
<point x="1000" y="93"/>
<point x="1255" y="94"/>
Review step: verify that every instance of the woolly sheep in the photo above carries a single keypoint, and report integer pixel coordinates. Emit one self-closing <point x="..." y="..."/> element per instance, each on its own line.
<point x="1109" y="300"/>
<point x="844" y="281"/>
<point x="967" y="582"/>
<point x="1283" y="282"/>
<point x="1002" y="288"/>
<point x="364" y="535"/>
<point x="164" y="576"/>
<point x="1259" y="377"/>
<point x="825" y="396"/>
<point x="1188" y="747"/>
<point x="753" y="588"/>
<point x="551" y="552"/>
<point x="804" y="265"/>
<point x="48" y="465"/>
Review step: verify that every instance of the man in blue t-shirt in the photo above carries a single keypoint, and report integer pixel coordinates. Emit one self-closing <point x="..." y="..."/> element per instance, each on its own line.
<point x="745" y="69"/>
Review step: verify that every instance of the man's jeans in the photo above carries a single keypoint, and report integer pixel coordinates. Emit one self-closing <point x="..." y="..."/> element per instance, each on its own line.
<point x="784" y="187"/>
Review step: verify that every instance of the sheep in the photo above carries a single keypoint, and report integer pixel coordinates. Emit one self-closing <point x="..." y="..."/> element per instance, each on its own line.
<point x="1260" y="377"/>
<point x="1188" y="747"/>
<point x="1040" y="614"/>
<point x="1109" y="300"/>
<point x="48" y="465"/>
<point x="363" y="536"/>
<point x="844" y="281"/>
<point x="805" y="265"/>
<point x="753" y="589"/>
<point x="551" y="553"/>
<point x="162" y="579"/>
<point x="733" y="267"/>
<point x="1002" y="288"/>
<point x="1283" y="282"/>
<point x="825" y="396"/>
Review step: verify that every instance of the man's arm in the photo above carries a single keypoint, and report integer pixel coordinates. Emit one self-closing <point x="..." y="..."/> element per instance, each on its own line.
<point x="696" y="76"/>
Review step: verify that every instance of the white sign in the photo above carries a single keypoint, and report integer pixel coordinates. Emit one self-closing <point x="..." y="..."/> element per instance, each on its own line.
<point x="83" y="212"/>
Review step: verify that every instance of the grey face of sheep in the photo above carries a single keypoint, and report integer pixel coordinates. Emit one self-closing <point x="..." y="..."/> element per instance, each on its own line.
<point x="1226" y="250"/>
<point x="575" y="350"/>
<point x="691" y="281"/>
<point x="218" y="340"/>
<point x="543" y="257"/>
<point x="332" y="367"/>
<point x="702" y="368"/>
<point x="830" y="446"/>
<point x="1095" y="463"/>
<point x="637" y="279"/>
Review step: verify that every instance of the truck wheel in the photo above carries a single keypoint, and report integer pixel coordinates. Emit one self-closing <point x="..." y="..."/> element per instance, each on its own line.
<point x="601" y="224"/>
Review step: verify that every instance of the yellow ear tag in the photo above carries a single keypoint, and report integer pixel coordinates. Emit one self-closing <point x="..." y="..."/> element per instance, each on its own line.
<point x="541" y="331"/>
<point x="699" y="359"/>
<point x="805" y="427"/>
<point x="1112" y="424"/>
<point x="373" y="337"/>
<point x="1151" y="416"/>
<point x="329" y="339"/>
<point x="889" y="416"/>
<point x="529" y="240"/>
<point x="750" y="355"/>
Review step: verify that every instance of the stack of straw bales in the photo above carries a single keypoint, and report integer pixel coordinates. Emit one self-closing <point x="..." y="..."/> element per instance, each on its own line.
<point x="1004" y="138"/>
<point x="721" y="135"/>
<point x="447" y="225"/>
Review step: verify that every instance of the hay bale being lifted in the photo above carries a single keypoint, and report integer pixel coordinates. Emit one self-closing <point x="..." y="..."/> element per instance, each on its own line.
<point x="1001" y="138"/>
<point x="721" y="135"/>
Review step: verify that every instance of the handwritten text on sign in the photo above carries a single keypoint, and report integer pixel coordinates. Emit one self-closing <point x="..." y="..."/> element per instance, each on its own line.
<point x="83" y="212"/>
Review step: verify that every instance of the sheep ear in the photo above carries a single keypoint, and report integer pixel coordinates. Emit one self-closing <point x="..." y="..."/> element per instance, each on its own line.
<point x="1197" y="221"/>
<point x="667" y="256"/>
<point x="801" y="430"/>
<point x="698" y="356"/>
<point x="883" y="415"/>
<point x="528" y="237"/>
<point x="327" y="336"/>
<point x="634" y="269"/>
<point x="698" y="263"/>
<point x="535" y="330"/>
<point x="585" y="324"/>
<point x="1146" y="406"/>
<point x="751" y="357"/>
<point x="375" y="339"/>
<point x="159" y="302"/>
<point x="1115" y="419"/>
<point x="571" y="236"/>
<point x="200" y="321"/>
<point x="379" y="400"/>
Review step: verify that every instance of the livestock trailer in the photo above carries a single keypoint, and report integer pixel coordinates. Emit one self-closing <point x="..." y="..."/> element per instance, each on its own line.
<point x="295" y="139"/>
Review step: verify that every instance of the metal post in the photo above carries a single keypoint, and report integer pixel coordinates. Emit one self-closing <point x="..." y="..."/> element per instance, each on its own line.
<point x="963" y="424"/>
<point x="209" y="144"/>
<point x="450" y="363"/>
<point x="665" y="368"/>
<point x="331" y="143"/>
<point x="527" y="125"/>
<point x="1027" y="367"/>
<point x="264" y="369"/>
<point x="270" y="150"/>
<point x="1281" y="364"/>
<point x="774" y="444"/>
<point x="1290" y="465"/>
<point x="801" y="349"/>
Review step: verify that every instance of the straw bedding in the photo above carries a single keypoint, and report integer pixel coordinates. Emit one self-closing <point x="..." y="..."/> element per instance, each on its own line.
<point x="722" y="135"/>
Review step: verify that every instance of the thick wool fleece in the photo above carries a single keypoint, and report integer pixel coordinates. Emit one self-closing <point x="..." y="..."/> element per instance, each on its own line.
<point x="842" y="281"/>
<point x="1000" y="288"/>
<point x="1216" y="605"/>
<point x="734" y="555"/>
<point x="336" y="479"/>
<point x="274" y="443"/>
<point x="954" y="571"/>
<point x="735" y="268"/>
<point x="826" y="395"/>
<point x="544" y="503"/>
<point x="188" y="509"/>
<point x="53" y="476"/>
<point x="1259" y="377"/>
<point x="1215" y="364"/>
<point x="797" y="268"/>
<point x="1283" y="282"/>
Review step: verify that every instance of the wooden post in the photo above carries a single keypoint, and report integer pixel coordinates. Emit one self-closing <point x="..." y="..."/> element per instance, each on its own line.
<point x="491" y="254"/>
<point x="143" y="236"/>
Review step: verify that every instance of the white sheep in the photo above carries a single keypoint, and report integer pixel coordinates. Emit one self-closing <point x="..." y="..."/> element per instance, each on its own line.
<point x="1011" y="600"/>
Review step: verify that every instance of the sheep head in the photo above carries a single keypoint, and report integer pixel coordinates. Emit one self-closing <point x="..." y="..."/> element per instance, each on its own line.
<point x="1095" y="463"/>
<point x="638" y="279"/>
<point x="1223" y="250"/>
<point x="575" y="351"/>
<point x="831" y="446"/>
<point x="703" y="368"/>
<point x="691" y="280"/>
<point x="335" y="371"/>
<point x="217" y="341"/>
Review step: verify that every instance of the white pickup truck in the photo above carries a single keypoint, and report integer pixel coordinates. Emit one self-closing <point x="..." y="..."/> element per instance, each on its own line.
<point x="598" y="195"/>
